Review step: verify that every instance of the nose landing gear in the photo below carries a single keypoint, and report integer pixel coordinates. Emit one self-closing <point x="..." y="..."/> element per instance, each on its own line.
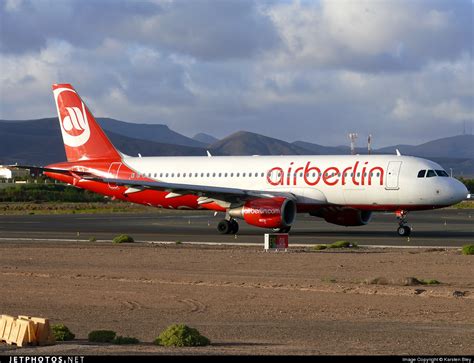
<point x="403" y="229"/>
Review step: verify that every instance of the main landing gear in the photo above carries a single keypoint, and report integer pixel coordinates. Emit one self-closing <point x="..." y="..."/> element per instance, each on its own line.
<point x="403" y="229"/>
<point x="228" y="226"/>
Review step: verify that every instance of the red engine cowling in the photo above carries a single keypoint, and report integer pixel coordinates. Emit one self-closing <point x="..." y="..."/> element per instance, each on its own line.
<point x="267" y="212"/>
<point x="344" y="216"/>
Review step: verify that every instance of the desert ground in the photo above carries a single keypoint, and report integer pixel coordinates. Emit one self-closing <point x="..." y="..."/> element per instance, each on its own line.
<point x="245" y="300"/>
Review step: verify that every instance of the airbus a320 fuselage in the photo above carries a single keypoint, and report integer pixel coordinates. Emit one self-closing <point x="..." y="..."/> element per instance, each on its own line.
<point x="264" y="191"/>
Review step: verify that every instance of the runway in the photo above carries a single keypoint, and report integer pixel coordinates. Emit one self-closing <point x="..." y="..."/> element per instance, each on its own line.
<point x="445" y="227"/>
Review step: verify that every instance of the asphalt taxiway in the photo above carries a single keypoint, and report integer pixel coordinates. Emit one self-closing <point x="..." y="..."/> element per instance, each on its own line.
<point x="445" y="227"/>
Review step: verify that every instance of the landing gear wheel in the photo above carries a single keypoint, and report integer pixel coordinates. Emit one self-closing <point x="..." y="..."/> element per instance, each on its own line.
<point x="281" y="230"/>
<point x="404" y="231"/>
<point x="234" y="226"/>
<point x="228" y="227"/>
<point x="224" y="227"/>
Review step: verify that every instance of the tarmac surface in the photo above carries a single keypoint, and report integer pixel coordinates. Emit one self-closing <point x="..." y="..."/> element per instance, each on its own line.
<point x="444" y="227"/>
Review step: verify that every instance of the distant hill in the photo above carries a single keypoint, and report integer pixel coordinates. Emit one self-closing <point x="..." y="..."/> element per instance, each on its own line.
<point x="205" y="138"/>
<point x="39" y="142"/>
<point x="152" y="132"/>
<point x="461" y="146"/>
<point x="322" y="150"/>
<point x="249" y="143"/>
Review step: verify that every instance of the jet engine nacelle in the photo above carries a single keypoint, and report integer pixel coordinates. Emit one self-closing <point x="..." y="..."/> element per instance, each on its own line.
<point x="345" y="216"/>
<point x="267" y="212"/>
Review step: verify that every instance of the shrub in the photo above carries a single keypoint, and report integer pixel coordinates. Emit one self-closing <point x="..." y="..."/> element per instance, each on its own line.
<point x="319" y="247"/>
<point x="92" y="239"/>
<point x="413" y="281"/>
<point x="125" y="340"/>
<point x="343" y="244"/>
<point x="430" y="282"/>
<point x="62" y="333"/>
<point x="101" y="336"/>
<point x="468" y="250"/>
<point x="123" y="238"/>
<point x="180" y="335"/>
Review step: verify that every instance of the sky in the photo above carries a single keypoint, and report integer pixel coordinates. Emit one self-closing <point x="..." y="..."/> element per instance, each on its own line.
<point x="294" y="70"/>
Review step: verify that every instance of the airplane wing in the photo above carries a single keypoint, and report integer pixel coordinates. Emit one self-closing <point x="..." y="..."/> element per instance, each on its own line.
<point x="71" y="172"/>
<point x="226" y="194"/>
<point x="208" y="193"/>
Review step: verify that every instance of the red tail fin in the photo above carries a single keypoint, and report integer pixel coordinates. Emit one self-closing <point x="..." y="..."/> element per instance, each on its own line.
<point x="83" y="138"/>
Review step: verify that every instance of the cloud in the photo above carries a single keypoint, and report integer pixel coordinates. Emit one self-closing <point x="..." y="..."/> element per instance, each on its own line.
<point x="372" y="36"/>
<point x="401" y="70"/>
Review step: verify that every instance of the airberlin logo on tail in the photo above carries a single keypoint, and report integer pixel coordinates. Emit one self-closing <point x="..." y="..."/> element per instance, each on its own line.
<point x="72" y="117"/>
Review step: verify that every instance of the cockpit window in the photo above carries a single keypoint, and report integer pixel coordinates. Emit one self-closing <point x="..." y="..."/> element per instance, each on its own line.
<point x="421" y="173"/>
<point x="441" y="173"/>
<point x="430" y="174"/>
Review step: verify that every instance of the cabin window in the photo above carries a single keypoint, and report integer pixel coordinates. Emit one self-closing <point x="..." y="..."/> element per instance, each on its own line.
<point x="220" y="175"/>
<point x="430" y="174"/>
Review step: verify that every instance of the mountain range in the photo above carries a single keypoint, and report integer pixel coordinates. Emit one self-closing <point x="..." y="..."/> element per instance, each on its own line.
<point x="38" y="142"/>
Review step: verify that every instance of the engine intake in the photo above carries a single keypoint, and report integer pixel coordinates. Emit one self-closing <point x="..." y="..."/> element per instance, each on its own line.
<point x="267" y="213"/>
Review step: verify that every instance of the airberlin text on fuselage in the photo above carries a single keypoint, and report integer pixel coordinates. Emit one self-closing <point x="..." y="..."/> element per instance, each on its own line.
<point x="312" y="175"/>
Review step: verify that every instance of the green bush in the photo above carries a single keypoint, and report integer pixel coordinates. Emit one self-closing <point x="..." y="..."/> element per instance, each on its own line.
<point x="47" y="193"/>
<point x="125" y="340"/>
<point x="319" y="247"/>
<point x="62" y="333"/>
<point x="123" y="238"/>
<point x="180" y="335"/>
<point x="430" y="282"/>
<point x="343" y="244"/>
<point x="468" y="250"/>
<point x="101" y="336"/>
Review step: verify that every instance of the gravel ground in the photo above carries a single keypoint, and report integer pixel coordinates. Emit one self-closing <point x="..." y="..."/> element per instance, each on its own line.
<point x="244" y="300"/>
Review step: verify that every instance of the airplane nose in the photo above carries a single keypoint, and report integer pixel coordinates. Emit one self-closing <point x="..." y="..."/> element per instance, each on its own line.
<point x="459" y="191"/>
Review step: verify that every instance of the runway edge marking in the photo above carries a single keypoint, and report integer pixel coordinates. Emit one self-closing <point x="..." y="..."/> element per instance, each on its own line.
<point x="243" y="244"/>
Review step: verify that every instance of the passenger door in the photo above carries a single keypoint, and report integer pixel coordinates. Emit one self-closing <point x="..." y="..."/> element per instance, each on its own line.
<point x="393" y="173"/>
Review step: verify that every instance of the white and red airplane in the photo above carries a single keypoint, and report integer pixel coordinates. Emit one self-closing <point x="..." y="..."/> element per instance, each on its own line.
<point x="264" y="191"/>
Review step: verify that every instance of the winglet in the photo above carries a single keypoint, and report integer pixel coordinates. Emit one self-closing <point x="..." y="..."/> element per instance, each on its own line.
<point x="398" y="152"/>
<point x="208" y="154"/>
